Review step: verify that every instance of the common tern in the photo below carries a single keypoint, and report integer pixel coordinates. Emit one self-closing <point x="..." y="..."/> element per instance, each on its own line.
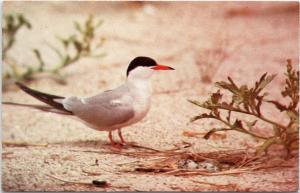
<point x="110" y="110"/>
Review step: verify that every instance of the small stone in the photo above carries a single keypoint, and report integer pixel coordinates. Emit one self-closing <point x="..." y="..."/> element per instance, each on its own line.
<point x="211" y="167"/>
<point x="192" y="164"/>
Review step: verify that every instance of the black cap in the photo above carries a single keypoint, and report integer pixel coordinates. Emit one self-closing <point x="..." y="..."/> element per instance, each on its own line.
<point x="140" y="61"/>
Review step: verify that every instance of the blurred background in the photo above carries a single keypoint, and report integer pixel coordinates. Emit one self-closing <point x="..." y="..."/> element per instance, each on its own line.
<point x="198" y="34"/>
<point x="204" y="41"/>
<point x="84" y="48"/>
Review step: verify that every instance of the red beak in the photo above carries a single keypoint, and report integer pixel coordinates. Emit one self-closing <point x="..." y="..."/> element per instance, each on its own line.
<point x="162" y="67"/>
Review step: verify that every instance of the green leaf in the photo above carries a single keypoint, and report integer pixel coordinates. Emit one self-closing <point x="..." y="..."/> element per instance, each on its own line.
<point x="292" y="86"/>
<point x="278" y="105"/>
<point x="202" y="116"/>
<point x="78" y="27"/>
<point x="263" y="82"/>
<point x="251" y="124"/>
<point x="195" y="103"/>
<point x="227" y="86"/>
<point x="24" y="21"/>
<point x="259" y="103"/>
<point x="208" y="134"/>
<point x="99" y="23"/>
<point x="65" y="42"/>
<point x="66" y="60"/>
<point x="40" y="59"/>
<point x="238" y="125"/>
<point x="216" y="97"/>
<point x="78" y="46"/>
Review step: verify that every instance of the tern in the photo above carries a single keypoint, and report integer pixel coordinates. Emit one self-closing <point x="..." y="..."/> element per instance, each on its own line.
<point x="110" y="110"/>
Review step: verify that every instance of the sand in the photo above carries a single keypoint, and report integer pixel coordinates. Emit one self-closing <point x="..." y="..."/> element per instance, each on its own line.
<point x="257" y="40"/>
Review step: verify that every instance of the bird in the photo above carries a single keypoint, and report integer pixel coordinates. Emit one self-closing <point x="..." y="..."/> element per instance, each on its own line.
<point x="110" y="110"/>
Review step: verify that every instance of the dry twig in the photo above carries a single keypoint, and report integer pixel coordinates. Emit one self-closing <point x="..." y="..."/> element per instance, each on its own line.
<point x="96" y="183"/>
<point x="23" y="144"/>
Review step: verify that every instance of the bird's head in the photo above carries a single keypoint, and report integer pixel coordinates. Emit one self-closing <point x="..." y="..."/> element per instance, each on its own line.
<point x="143" y="67"/>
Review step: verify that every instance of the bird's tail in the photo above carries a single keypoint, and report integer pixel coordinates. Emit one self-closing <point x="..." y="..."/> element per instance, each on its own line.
<point x="38" y="107"/>
<point x="46" y="98"/>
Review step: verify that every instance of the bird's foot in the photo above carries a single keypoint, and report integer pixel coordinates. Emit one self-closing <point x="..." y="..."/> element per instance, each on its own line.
<point x="124" y="145"/>
<point x="117" y="146"/>
<point x="129" y="143"/>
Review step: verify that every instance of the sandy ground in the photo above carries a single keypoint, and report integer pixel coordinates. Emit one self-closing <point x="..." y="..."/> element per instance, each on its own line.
<point x="259" y="39"/>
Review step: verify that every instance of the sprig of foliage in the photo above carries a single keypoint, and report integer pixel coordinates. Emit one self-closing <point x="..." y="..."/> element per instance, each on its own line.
<point x="75" y="47"/>
<point x="11" y="25"/>
<point x="83" y="44"/>
<point x="248" y="101"/>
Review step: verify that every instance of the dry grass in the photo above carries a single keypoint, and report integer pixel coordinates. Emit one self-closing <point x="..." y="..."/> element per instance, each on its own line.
<point x="180" y="161"/>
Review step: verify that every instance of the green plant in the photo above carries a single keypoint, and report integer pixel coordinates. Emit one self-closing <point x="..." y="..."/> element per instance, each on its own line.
<point x="75" y="47"/>
<point x="11" y="25"/>
<point x="249" y="101"/>
<point x="83" y="43"/>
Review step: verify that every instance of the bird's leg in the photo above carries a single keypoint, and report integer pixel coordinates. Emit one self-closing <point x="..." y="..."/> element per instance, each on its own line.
<point x="113" y="143"/>
<point x="123" y="141"/>
<point x="111" y="138"/>
<point x="121" y="137"/>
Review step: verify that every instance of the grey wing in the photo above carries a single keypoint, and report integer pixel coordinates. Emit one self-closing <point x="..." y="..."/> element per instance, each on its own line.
<point x="104" y="110"/>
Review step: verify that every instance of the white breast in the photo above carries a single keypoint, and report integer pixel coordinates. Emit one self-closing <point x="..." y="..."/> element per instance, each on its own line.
<point x="141" y="107"/>
<point x="141" y="94"/>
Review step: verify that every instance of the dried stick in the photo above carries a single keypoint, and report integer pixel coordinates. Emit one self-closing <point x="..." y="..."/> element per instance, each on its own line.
<point x="94" y="182"/>
<point x="23" y="144"/>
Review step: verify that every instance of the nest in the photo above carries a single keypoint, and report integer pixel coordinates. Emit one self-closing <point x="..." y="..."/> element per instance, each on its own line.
<point x="181" y="162"/>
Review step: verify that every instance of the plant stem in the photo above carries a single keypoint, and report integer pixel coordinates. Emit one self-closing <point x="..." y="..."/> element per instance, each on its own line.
<point x="256" y="115"/>
<point x="240" y="130"/>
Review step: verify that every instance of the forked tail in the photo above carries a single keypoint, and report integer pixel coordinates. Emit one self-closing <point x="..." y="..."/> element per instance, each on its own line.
<point x="38" y="107"/>
<point x="46" y="98"/>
